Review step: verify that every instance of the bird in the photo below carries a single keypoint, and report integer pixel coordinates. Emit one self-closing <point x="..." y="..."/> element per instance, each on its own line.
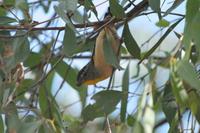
<point x="98" y="69"/>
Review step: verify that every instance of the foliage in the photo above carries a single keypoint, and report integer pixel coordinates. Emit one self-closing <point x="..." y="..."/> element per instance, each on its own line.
<point x="33" y="53"/>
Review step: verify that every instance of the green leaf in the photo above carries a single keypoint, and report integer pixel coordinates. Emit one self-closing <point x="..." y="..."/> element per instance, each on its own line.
<point x="33" y="59"/>
<point x="24" y="86"/>
<point x="109" y="54"/>
<point x="45" y="101"/>
<point x="48" y="105"/>
<point x="192" y="27"/>
<point x="104" y="104"/>
<point x="162" y="23"/>
<point x="130" y="42"/>
<point x="87" y="45"/>
<point x="155" y="5"/>
<point x="90" y="6"/>
<point x="187" y="72"/>
<point x="69" y="41"/>
<point x="6" y="20"/>
<point x="194" y="104"/>
<point x="1" y="125"/>
<point x="160" y="41"/>
<point x="91" y="112"/>
<point x="116" y="9"/>
<point x="176" y="84"/>
<point x="125" y="90"/>
<point x="169" y="104"/>
<point x="130" y="120"/>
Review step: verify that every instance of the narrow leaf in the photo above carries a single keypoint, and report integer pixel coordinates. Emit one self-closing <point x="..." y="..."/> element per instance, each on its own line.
<point x="169" y="104"/>
<point x="155" y="5"/>
<point x="1" y="125"/>
<point x="187" y="72"/>
<point x="116" y="9"/>
<point x="125" y="90"/>
<point x="192" y="27"/>
<point x="69" y="41"/>
<point x="110" y="56"/>
<point x="130" y="42"/>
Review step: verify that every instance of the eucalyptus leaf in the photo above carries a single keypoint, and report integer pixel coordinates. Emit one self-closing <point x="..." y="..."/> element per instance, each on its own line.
<point x="130" y="42"/>
<point x="116" y="9"/>
<point x="155" y="5"/>
<point x="109" y="54"/>
<point x="103" y="105"/>
<point x="69" y="41"/>
<point x="192" y="27"/>
<point x="187" y="72"/>
<point x="125" y="90"/>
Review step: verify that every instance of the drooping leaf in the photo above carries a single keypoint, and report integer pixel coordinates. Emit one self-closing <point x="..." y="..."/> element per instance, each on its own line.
<point x="90" y="6"/>
<point x="103" y="99"/>
<point x="44" y="98"/>
<point x="1" y="125"/>
<point x="155" y="5"/>
<point x="91" y="112"/>
<point x="69" y="41"/>
<point x="192" y="27"/>
<point x="33" y="59"/>
<point x="103" y="106"/>
<point x="130" y="42"/>
<point x="176" y="83"/>
<point x="49" y="106"/>
<point x="187" y="72"/>
<point x="193" y="99"/>
<point x="116" y="9"/>
<point x="125" y="90"/>
<point x="109" y="54"/>
<point x="169" y="104"/>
